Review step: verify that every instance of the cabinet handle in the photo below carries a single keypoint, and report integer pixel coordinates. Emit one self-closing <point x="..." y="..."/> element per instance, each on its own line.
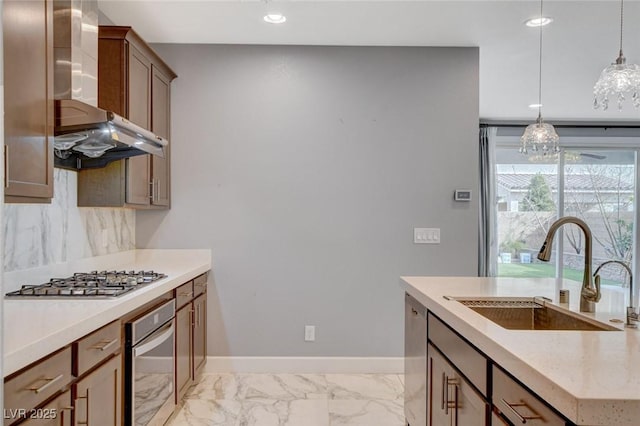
<point x="6" y="166"/>
<point x="522" y="418"/>
<point x="414" y="312"/>
<point x="455" y="404"/>
<point x="157" y="186"/>
<point x="50" y="381"/>
<point x="86" y="398"/>
<point x="153" y="189"/>
<point x="186" y="294"/>
<point x="454" y="383"/>
<point x="444" y="391"/>
<point x="193" y="317"/>
<point x="106" y="345"/>
<point x="63" y="418"/>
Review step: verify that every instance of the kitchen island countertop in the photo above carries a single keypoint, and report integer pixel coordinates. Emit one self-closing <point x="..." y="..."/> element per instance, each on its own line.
<point x="592" y="377"/>
<point x="33" y="328"/>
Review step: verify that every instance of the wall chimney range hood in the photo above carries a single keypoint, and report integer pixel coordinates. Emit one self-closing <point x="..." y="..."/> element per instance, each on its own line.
<point x="89" y="137"/>
<point x="85" y="135"/>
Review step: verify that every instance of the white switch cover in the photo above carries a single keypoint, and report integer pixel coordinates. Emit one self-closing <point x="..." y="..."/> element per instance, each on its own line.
<point x="309" y="333"/>
<point x="426" y="235"/>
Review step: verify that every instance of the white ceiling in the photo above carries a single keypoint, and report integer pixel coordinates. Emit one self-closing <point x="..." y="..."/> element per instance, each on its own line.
<point x="581" y="41"/>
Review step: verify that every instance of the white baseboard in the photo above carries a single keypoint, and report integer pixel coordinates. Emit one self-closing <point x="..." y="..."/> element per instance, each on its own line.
<point x="345" y="365"/>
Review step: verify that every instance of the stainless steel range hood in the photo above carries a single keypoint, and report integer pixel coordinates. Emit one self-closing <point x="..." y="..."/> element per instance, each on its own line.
<point x="89" y="137"/>
<point x="85" y="135"/>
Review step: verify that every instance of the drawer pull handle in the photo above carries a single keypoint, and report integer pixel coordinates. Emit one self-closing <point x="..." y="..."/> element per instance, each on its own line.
<point x="6" y="166"/>
<point x="46" y="385"/>
<point x="106" y="345"/>
<point x="201" y="284"/>
<point x="522" y="418"/>
<point x="186" y="294"/>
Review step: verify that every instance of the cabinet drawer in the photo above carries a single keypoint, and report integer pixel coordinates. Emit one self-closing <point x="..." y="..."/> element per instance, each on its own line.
<point x="518" y="404"/>
<point x="184" y="294"/>
<point x="42" y="380"/>
<point x="200" y="285"/>
<point x="464" y="356"/>
<point x="97" y="346"/>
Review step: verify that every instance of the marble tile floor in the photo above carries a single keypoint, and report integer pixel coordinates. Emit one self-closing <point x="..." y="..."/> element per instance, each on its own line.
<point x="294" y="400"/>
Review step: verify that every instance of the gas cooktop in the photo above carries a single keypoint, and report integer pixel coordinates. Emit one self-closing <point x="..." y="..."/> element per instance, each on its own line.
<point x="95" y="284"/>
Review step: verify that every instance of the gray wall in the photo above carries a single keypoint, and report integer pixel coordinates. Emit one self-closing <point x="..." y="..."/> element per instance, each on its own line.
<point x="305" y="170"/>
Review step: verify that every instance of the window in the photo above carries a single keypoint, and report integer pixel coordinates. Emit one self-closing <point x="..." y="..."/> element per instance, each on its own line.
<point x="593" y="178"/>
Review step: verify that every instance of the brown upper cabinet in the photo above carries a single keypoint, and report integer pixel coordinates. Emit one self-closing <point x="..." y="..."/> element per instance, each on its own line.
<point x="134" y="82"/>
<point x="27" y="28"/>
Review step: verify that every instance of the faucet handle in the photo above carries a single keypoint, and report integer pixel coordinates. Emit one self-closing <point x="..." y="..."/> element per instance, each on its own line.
<point x="591" y="294"/>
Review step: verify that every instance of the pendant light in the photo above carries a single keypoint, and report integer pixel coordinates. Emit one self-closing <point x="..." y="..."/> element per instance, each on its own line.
<point x="539" y="137"/>
<point x="617" y="79"/>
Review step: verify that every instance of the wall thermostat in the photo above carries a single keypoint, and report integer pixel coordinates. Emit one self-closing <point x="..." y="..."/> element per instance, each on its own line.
<point x="462" y="195"/>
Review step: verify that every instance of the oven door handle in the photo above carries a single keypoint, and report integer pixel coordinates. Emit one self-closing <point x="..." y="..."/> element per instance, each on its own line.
<point x="161" y="335"/>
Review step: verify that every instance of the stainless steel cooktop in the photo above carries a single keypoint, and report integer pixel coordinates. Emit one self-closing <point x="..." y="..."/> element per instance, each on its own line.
<point x="95" y="284"/>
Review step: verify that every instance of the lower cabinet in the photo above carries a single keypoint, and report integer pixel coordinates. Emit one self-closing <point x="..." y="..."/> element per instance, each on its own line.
<point x="184" y="321"/>
<point x="98" y="396"/>
<point x="56" y="413"/>
<point x="199" y="334"/>
<point x="191" y="334"/>
<point x="82" y="383"/>
<point x="464" y="386"/>
<point x="452" y="400"/>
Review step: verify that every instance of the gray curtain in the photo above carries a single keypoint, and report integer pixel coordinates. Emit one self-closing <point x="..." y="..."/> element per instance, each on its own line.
<point x="487" y="250"/>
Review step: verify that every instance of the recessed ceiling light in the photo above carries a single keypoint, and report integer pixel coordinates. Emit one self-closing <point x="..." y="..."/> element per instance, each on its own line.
<point x="538" y="22"/>
<point x="534" y="106"/>
<point x="275" y="18"/>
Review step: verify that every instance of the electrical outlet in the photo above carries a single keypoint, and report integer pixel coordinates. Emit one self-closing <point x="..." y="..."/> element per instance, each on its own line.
<point x="309" y="333"/>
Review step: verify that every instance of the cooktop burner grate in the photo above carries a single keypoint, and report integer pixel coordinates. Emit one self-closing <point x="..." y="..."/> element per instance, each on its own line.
<point x="95" y="284"/>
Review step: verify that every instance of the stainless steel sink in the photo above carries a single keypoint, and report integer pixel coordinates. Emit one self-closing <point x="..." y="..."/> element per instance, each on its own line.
<point x="532" y="314"/>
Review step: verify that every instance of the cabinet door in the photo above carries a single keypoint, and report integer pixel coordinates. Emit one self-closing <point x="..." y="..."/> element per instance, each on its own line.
<point x="415" y="362"/>
<point x="184" y="366"/>
<point x="98" y="397"/>
<point x="468" y="408"/>
<point x="139" y="110"/>
<point x="199" y="334"/>
<point x="160" y="113"/>
<point x="55" y="413"/>
<point x="438" y="409"/>
<point x="28" y="100"/>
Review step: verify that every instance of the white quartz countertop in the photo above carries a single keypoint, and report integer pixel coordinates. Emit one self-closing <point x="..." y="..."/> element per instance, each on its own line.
<point x="592" y="377"/>
<point x="34" y="328"/>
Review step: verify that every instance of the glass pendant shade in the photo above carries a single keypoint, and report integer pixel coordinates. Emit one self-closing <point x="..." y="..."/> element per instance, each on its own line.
<point x="539" y="138"/>
<point x="615" y="81"/>
<point x="618" y="79"/>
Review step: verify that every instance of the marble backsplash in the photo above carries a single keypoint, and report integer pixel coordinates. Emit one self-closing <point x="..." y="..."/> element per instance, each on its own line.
<point x="41" y="234"/>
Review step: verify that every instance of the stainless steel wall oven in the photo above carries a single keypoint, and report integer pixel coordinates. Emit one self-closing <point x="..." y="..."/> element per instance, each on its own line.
<point x="150" y="367"/>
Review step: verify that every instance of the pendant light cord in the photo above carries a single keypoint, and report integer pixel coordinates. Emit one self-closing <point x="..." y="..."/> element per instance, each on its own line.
<point x="540" y="68"/>
<point x="621" y="23"/>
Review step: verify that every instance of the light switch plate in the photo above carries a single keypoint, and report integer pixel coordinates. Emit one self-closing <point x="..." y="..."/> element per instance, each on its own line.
<point x="426" y="235"/>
